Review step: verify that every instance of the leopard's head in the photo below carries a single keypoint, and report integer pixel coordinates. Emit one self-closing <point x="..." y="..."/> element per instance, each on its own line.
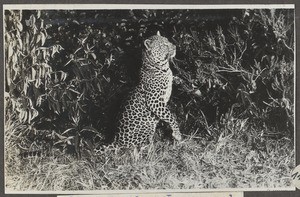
<point x="158" y="50"/>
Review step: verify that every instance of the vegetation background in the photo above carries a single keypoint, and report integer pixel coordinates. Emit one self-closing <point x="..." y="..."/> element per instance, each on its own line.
<point x="68" y="71"/>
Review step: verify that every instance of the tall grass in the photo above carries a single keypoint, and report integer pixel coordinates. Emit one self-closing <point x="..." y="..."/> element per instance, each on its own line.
<point x="231" y="161"/>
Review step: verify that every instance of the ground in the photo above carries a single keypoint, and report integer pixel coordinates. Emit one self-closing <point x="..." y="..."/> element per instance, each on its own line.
<point x="194" y="163"/>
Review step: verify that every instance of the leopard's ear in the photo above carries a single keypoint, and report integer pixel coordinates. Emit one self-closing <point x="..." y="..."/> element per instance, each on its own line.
<point x="147" y="43"/>
<point x="158" y="33"/>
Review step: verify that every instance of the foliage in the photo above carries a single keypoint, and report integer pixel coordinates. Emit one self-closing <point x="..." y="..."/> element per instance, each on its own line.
<point x="67" y="71"/>
<point x="244" y="72"/>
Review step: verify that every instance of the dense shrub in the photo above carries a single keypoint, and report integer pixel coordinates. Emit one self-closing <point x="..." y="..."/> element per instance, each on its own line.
<point x="244" y="71"/>
<point x="67" y="71"/>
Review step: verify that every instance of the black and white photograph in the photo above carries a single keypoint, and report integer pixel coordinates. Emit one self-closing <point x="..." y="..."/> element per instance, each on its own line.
<point x="149" y="98"/>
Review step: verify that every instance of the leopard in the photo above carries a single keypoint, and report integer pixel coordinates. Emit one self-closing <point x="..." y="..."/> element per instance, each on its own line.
<point x="147" y="104"/>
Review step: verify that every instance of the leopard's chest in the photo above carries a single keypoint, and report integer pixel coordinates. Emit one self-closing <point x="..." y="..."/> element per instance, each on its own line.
<point x="167" y="90"/>
<point x="162" y="84"/>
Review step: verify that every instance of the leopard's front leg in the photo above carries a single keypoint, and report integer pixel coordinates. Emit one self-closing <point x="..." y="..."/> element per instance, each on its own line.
<point x="155" y="102"/>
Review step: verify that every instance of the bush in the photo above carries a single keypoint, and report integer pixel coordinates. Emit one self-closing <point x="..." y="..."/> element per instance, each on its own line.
<point x="244" y="72"/>
<point x="28" y="73"/>
<point x="66" y="71"/>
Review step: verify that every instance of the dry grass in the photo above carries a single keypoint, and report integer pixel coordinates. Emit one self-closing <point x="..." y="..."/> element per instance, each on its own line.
<point x="194" y="163"/>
